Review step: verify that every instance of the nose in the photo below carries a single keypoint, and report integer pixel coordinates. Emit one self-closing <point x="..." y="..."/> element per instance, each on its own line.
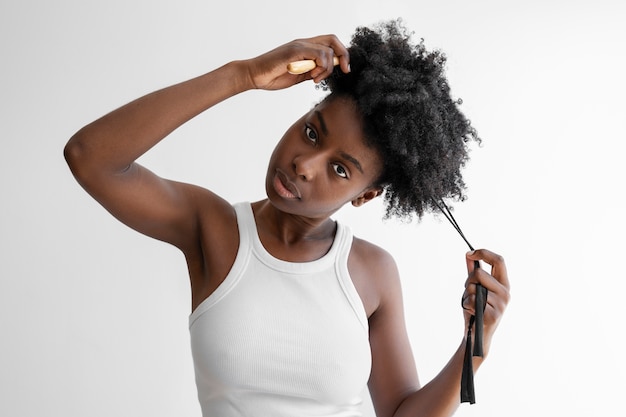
<point x="306" y="166"/>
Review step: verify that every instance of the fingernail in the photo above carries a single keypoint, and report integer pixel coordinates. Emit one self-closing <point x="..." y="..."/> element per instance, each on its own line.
<point x="470" y="253"/>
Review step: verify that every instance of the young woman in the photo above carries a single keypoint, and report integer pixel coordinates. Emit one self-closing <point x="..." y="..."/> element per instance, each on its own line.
<point x="292" y="315"/>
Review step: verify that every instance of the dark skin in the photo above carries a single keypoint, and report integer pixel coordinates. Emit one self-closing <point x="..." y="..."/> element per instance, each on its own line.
<point x="320" y="164"/>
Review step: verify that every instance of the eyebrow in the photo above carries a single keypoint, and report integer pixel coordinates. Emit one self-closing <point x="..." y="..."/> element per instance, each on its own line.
<point x="322" y="122"/>
<point x="352" y="159"/>
<point x="344" y="155"/>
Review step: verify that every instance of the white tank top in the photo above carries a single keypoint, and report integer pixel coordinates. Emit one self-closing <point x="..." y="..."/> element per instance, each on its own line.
<point x="278" y="338"/>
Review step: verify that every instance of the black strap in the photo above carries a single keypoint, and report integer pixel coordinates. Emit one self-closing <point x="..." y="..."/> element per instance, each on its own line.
<point x="475" y="321"/>
<point x="467" y="377"/>
<point x="481" y="304"/>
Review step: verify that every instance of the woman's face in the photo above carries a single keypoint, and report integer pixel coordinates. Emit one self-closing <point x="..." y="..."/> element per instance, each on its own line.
<point x="322" y="162"/>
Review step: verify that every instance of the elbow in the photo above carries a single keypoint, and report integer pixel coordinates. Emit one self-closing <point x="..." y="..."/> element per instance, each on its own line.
<point x="89" y="163"/>
<point x="82" y="159"/>
<point x="74" y="154"/>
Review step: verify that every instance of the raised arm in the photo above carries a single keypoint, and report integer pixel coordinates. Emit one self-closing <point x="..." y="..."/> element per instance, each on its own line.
<point x="102" y="154"/>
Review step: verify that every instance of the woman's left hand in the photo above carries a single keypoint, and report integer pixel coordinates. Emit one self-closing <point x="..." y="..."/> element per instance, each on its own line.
<point x="497" y="285"/>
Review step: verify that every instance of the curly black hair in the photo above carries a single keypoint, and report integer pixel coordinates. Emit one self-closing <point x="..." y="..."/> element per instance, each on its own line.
<point x="401" y="90"/>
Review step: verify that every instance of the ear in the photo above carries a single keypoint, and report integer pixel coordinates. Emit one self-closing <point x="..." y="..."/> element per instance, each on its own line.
<point x="367" y="195"/>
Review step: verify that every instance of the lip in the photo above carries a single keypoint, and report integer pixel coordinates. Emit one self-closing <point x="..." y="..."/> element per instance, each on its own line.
<point x="285" y="187"/>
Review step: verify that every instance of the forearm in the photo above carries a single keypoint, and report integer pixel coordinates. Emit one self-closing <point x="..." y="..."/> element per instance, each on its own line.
<point x="117" y="139"/>
<point x="441" y="396"/>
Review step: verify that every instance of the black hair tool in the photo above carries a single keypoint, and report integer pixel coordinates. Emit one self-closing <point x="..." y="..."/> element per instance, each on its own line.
<point x="467" y="377"/>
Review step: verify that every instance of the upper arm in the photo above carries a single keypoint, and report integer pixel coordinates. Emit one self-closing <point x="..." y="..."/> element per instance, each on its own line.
<point x="394" y="374"/>
<point x="157" y="207"/>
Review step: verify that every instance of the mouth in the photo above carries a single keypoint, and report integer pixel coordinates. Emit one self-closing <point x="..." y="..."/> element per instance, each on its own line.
<point x="284" y="187"/>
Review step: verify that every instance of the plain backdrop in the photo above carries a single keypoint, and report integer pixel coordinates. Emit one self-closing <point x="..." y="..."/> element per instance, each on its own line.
<point x="93" y="316"/>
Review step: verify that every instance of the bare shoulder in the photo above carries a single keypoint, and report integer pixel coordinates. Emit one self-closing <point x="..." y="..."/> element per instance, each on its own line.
<point x="371" y="256"/>
<point x="217" y="221"/>
<point x="213" y="210"/>
<point x="215" y="250"/>
<point x="195" y="214"/>
<point x="374" y="273"/>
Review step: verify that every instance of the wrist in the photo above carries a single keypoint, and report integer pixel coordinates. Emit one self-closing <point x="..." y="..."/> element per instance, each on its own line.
<point x="241" y="78"/>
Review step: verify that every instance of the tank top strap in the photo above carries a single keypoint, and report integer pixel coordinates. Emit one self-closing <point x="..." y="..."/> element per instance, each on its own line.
<point x="239" y="265"/>
<point x="343" y="240"/>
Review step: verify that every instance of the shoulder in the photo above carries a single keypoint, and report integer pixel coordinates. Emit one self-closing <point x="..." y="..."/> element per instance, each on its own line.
<point x="374" y="273"/>
<point x="212" y="255"/>
<point x="372" y="256"/>
<point x="217" y="221"/>
<point x="209" y="214"/>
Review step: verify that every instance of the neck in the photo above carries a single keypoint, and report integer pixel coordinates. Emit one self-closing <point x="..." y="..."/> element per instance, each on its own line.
<point x="291" y="229"/>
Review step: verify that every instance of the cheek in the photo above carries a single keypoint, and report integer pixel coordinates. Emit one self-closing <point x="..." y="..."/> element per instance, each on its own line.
<point x="289" y="142"/>
<point x="279" y="152"/>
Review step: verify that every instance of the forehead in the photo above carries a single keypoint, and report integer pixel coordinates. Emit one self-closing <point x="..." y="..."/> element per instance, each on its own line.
<point x="342" y="114"/>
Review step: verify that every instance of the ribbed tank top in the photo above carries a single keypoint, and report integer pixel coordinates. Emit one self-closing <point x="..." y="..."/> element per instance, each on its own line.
<point x="279" y="338"/>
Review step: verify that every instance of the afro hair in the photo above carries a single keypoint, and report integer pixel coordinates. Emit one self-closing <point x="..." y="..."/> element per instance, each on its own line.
<point x="401" y="90"/>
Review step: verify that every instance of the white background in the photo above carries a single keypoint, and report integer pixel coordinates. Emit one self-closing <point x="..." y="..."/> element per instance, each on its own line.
<point x="93" y="316"/>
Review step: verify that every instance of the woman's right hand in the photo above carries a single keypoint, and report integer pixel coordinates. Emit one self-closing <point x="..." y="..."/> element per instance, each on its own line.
<point x="269" y="70"/>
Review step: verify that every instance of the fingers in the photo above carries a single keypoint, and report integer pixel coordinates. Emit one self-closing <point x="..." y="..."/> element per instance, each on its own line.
<point x="326" y="51"/>
<point x="495" y="306"/>
<point x="270" y="71"/>
<point x="496" y="283"/>
<point x="341" y="52"/>
<point x="498" y="266"/>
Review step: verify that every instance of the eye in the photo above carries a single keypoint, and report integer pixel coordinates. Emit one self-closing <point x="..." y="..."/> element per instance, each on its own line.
<point x="339" y="170"/>
<point x="310" y="134"/>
